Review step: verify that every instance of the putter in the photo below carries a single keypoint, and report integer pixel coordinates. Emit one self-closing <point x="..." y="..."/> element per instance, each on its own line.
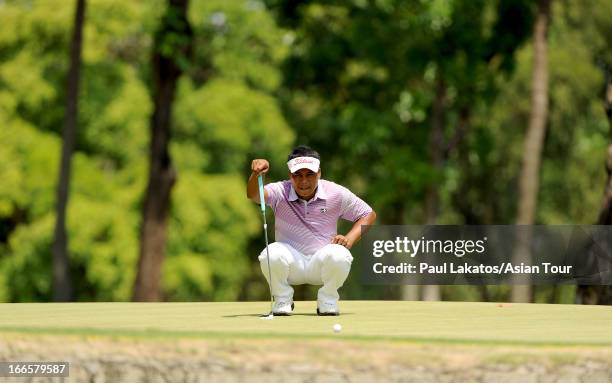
<point x="262" y="203"/>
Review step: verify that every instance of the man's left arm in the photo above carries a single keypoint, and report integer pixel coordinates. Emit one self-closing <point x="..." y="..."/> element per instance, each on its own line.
<point x="354" y="234"/>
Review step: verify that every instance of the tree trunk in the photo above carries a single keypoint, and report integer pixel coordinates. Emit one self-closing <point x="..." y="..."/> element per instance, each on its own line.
<point x="437" y="150"/>
<point x="602" y="295"/>
<point x="408" y="292"/>
<point x="605" y="214"/>
<point x="534" y="141"/>
<point x="62" y="285"/>
<point x="465" y="205"/>
<point x="171" y="47"/>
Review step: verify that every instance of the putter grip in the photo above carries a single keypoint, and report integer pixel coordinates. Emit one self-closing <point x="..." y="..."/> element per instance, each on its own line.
<point x="262" y="201"/>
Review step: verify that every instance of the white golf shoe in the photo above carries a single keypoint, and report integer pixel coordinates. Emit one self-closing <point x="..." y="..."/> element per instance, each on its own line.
<point x="282" y="306"/>
<point x="327" y="308"/>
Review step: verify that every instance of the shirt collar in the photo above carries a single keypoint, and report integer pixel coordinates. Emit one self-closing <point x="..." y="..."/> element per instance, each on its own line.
<point x="319" y="194"/>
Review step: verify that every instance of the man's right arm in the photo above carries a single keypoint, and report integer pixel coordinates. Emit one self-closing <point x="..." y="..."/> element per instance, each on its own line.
<point x="258" y="166"/>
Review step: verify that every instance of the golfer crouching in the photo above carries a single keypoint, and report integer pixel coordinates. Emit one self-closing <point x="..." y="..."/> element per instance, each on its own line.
<point x="308" y="249"/>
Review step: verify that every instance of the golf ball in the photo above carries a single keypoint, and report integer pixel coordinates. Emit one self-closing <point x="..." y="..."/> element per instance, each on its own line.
<point x="337" y="327"/>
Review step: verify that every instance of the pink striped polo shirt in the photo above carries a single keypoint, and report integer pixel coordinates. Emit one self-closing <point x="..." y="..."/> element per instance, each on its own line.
<point x="308" y="226"/>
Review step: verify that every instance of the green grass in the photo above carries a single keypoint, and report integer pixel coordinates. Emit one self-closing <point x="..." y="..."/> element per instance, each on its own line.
<point x="445" y="322"/>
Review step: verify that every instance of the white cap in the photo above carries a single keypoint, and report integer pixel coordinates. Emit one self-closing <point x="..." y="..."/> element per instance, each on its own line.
<point x="298" y="163"/>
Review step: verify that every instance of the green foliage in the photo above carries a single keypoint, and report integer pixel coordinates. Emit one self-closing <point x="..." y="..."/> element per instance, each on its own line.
<point x="208" y="236"/>
<point x="356" y="79"/>
<point x="27" y="264"/>
<point x="230" y="119"/>
<point x="362" y="77"/>
<point x="220" y="121"/>
<point x="240" y="40"/>
<point x="572" y="176"/>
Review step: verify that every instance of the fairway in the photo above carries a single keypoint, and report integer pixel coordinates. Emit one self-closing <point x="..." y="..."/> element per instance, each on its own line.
<point x="445" y="322"/>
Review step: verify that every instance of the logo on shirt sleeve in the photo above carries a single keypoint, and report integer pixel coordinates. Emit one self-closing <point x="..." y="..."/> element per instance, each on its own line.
<point x="323" y="210"/>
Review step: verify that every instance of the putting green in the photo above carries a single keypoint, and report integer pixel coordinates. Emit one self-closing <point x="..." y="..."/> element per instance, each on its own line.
<point x="455" y="322"/>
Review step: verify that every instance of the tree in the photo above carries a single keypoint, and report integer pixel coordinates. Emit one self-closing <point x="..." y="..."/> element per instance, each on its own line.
<point x="171" y="53"/>
<point x="534" y="142"/>
<point x="101" y="214"/>
<point x="391" y="86"/>
<point x="62" y="285"/>
<point x="602" y="295"/>
<point x="225" y="112"/>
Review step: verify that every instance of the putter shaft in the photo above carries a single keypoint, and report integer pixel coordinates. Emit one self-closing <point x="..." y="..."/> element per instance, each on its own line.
<point x="262" y="204"/>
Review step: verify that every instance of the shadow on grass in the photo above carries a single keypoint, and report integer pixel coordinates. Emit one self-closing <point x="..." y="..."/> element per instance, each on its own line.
<point x="281" y="316"/>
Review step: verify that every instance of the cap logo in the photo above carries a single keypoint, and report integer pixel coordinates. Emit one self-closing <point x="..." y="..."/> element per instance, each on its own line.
<point x="298" y="163"/>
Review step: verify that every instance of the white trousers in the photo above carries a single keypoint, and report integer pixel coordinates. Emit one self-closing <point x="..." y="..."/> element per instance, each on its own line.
<point x="329" y="267"/>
